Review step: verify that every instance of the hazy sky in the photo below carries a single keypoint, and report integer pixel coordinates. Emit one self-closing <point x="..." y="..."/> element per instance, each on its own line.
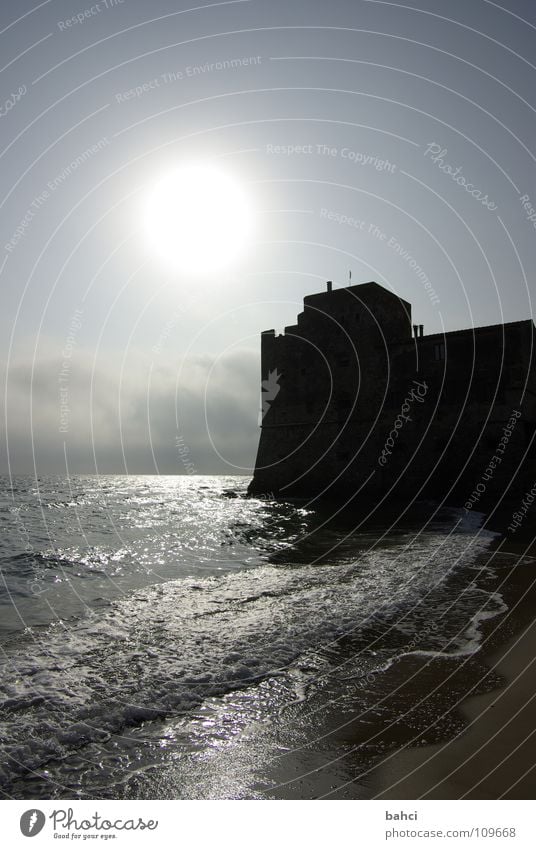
<point x="339" y="119"/>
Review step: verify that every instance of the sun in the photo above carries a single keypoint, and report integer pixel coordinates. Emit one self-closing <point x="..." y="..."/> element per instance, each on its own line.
<point x="197" y="218"/>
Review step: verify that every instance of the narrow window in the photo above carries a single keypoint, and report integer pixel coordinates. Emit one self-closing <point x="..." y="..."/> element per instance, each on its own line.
<point x="439" y="351"/>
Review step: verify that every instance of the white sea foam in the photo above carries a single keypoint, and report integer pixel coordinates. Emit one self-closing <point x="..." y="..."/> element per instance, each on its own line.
<point x="164" y="649"/>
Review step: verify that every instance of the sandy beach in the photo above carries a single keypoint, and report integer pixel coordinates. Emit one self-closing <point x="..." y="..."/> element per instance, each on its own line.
<point x="461" y="730"/>
<point x="433" y="727"/>
<point x="494" y="756"/>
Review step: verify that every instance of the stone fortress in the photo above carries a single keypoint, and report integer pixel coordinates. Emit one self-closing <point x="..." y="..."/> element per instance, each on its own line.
<point x="359" y="403"/>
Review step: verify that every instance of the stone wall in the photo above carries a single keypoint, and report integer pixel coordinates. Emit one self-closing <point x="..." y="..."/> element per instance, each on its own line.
<point x="364" y="408"/>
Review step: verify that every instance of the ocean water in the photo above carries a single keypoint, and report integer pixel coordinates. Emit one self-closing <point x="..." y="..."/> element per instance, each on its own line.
<point x="151" y="625"/>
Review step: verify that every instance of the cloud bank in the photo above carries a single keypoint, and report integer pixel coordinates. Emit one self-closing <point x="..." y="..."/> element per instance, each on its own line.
<point x="138" y="417"/>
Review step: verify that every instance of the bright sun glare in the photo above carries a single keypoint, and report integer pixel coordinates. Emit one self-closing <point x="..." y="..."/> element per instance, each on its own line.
<point x="198" y="218"/>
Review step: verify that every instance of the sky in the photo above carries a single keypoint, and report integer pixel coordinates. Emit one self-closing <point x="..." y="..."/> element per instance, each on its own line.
<point x="393" y="140"/>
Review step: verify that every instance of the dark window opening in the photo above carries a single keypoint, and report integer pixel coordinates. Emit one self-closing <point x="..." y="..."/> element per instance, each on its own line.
<point x="439" y="351"/>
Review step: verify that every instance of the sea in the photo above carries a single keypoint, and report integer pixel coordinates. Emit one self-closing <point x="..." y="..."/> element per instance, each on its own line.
<point x="169" y="637"/>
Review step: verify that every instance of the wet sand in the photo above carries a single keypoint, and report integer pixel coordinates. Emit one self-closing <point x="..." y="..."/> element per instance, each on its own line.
<point x="445" y="729"/>
<point x="494" y="756"/>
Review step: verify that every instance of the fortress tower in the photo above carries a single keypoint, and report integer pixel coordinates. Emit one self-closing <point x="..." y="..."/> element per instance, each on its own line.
<point x="359" y="402"/>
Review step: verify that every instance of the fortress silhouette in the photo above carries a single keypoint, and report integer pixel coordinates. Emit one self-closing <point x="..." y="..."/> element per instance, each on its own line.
<point x="359" y="403"/>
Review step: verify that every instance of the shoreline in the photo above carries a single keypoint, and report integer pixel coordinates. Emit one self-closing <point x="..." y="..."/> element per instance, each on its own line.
<point x="429" y="725"/>
<point x="492" y="757"/>
<point x="450" y="728"/>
